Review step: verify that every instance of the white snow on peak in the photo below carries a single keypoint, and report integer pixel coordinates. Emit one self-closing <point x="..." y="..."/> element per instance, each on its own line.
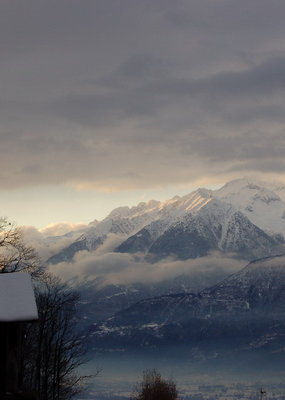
<point x="258" y="201"/>
<point x="241" y="192"/>
<point x="154" y="209"/>
<point x="120" y="212"/>
<point x="191" y="202"/>
<point x="261" y="205"/>
<point x="131" y="212"/>
<point x="124" y="221"/>
<point x="280" y="190"/>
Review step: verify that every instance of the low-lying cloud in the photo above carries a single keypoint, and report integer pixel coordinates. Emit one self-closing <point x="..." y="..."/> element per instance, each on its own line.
<point x="124" y="268"/>
<point x="52" y="239"/>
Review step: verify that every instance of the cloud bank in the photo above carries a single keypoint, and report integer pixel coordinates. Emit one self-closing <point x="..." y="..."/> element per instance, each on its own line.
<point x="118" y="268"/>
<point x="52" y="239"/>
<point x="121" y="95"/>
<point x="61" y="228"/>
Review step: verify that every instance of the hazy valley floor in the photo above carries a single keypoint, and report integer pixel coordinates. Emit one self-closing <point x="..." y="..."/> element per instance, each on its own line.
<point x="119" y="375"/>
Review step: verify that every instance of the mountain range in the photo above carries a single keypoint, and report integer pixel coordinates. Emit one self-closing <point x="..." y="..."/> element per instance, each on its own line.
<point x="244" y="220"/>
<point x="210" y="313"/>
<point x="243" y="217"/>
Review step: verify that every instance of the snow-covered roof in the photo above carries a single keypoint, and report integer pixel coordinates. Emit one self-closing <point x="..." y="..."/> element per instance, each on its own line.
<point x="17" y="299"/>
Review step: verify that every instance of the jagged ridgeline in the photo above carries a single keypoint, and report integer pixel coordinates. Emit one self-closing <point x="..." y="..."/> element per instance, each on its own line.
<point x="243" y="217"/>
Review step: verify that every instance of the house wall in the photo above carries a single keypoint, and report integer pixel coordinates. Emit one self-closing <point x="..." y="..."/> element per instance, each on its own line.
<point x="9" y="357"/>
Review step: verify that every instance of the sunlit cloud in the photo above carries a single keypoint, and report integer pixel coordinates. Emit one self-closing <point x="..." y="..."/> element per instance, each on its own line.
<point x="61" y="228"/>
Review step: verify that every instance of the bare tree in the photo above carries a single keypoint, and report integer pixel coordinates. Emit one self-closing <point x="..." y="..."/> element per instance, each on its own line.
<point x="154" y="387"/>
<point x="52" y="349"/>
<point x="50" y="362"/>
<point x="15" y="255"/>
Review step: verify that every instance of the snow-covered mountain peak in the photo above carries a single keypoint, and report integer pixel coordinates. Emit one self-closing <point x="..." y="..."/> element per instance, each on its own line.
<point x="119" y="212"/>
<point x="280" y="190"/>
<point x="219" y="218"/>
<point x="235" y="186"/>
<point x="130" y="212"/>
<point x="207" y="193"/>
<point x="144" y="208"/>
<point x="93" y="223"/>
<point x="191" y="202"/>
<point x="259" y="203"/>
<point x="245" y="195"/>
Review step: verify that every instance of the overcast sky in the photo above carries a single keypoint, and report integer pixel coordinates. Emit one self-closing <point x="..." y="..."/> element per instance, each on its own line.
<point x="109" y="102"/>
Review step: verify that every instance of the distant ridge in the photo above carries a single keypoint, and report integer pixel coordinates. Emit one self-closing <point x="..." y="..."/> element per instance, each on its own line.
<point x="241" y="317"/>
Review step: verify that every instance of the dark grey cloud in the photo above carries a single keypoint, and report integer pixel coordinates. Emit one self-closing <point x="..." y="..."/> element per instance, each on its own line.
<point x="91" y="90"/>
<point x="236" y="97"/>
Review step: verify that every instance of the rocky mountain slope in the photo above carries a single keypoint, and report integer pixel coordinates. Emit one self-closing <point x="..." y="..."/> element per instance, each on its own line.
<point x="99" y="301"/>
<point x="242" y="315"/>
<point x="217" y="226"/>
